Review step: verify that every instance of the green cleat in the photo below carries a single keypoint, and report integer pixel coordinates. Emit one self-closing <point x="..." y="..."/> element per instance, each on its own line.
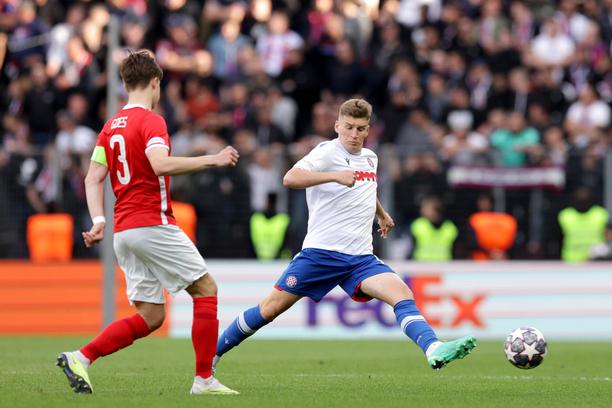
<point x="75" y="372"/>
<point x="211" y="386"/>
<point x="450" y="351"/>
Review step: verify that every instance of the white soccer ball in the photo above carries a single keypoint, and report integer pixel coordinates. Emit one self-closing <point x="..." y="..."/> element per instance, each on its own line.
<point x="526" y="347"/>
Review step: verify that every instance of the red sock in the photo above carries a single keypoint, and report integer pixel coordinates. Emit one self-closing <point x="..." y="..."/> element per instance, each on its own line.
<point x="116" y="336"/>
<point x="204" y="332"/>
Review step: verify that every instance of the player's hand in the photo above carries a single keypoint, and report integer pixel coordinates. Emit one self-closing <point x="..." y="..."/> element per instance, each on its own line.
<point x="94" y="235"/>
<point x="385" y="224"/>
<point x="227" y="157"/>
<point x="346" y="178"/>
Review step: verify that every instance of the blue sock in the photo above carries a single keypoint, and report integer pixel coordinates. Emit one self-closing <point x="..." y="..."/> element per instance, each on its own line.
<point x="247" y="323"/>
<point x="413" y="324"/>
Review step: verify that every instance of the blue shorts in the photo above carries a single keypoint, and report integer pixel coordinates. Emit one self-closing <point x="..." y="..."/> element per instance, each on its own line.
<point x="314" y="272"/>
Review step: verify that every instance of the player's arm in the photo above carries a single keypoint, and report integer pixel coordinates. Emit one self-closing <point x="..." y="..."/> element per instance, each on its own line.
<point x="94" y="191"/>
<point x="385" y="222"/>
<point x="165" y="165"/>
<point x="300" y="178"/>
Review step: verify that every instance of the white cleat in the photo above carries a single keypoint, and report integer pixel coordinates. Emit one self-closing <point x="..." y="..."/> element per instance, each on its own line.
<point x="75" y="372"/>
<point x="210" y="386"/>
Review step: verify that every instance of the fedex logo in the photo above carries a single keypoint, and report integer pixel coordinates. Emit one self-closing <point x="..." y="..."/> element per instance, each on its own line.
<point x="352" y="314"/>
<point x="365" y="176"/>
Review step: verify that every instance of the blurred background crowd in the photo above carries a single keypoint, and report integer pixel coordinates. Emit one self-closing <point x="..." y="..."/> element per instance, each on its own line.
<point x="491" y="83"/>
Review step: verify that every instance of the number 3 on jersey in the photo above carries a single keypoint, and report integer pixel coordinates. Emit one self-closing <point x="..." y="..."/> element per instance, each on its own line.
<point x="118" y="139"/>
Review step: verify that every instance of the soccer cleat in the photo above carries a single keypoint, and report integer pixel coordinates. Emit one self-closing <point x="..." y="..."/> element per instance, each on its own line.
<point x="214" y="364"/>
<point x="75" y="372"/>
<point x="450" y="351"/>
<point x="211" y="386"/>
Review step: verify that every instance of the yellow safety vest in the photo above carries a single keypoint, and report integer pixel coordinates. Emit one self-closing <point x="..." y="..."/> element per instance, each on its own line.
<point x="268" y="234"/>
<point x="581" y="231"/>
<point x="433" y="244"/>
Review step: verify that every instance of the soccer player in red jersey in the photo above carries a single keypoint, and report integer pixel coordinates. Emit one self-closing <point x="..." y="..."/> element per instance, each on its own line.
<point x="133" y="148"/>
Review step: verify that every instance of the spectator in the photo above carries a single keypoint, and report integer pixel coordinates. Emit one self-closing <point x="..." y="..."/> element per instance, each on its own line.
<point x="26" y="40"/>
<point x="583" y="225"/>
<point x="436" y="99"/>
<point x="415" y="137"/>
<point x="523" y="24"/>
<point x="283" y="112"/>
<point x="571" y="22"/>
<point x="490" y="234"/>
<point x="200" y="101"/>
<point x="73" y="139"/>
<point x="299" y="82"/>
<point x="515" y="141"/>
<point x="182" y="53"/>
<point x="586" y="115"/>
<point x="81" y="71"/>
<point x="268" y="230"/>
<point x="274" y="45"/>
<point x="59" y="36"/>
<point x="39" y="105"/>
<point x="433" y="234"/>
<point x="344" y="75"/>
<point x="462" y="146"/>
<point x="225" y="48"/>
<point x="552" y="48"/>
<point x="420" y="176"/>
<point x="555" y="149"/>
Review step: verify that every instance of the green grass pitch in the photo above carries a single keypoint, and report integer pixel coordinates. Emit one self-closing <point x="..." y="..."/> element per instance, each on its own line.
<point x="157" y="372"/>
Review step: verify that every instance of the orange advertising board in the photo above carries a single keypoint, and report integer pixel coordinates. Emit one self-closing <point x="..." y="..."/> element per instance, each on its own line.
<point x="56" y="298"/>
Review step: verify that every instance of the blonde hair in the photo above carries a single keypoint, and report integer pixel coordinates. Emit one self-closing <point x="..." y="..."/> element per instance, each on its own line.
<point x="356" y="108"/>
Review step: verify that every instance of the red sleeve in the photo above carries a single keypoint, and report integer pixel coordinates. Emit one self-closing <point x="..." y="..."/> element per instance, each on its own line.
<point x="155" y="132"/>
<point x="102" y="135"/>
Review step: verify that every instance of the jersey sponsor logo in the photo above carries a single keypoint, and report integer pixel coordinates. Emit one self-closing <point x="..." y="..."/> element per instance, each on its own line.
<point x="119" y="123"/>
<point x="365" y="176"/>
<point x="291" y="281"/>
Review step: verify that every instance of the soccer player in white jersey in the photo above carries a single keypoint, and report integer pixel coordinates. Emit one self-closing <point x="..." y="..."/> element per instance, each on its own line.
<point x="340" y="181"/>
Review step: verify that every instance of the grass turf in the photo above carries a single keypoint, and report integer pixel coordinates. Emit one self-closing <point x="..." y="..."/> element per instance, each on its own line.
<point x="157" y="372"/>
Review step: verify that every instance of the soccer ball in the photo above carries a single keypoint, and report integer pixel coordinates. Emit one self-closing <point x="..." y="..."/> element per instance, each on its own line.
<point x="525" y="347"/>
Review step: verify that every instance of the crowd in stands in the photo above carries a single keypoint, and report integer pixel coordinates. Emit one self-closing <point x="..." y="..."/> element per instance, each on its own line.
<point x="511" y="83"/>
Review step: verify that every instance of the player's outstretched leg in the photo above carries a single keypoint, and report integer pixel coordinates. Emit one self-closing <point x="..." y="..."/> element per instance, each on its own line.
<point x="116" y="336"/>
<point x="74" y="365"/>
<point x="245" y="325"/>
<point x="414" y="325"/>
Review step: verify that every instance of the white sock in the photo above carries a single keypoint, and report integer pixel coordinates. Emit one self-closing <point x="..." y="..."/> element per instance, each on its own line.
<point x="201" y="380"/>
<point x="432" y="347"/>
<point x="84" y="360"/>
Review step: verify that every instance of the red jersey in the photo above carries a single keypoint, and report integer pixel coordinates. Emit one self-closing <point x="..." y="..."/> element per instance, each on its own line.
<point x="143" y="199"/>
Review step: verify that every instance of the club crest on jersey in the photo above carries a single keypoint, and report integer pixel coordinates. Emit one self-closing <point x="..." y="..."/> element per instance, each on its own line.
<point x="370" y="162"/>
<point x="291" y="281"/>
<point x="348" y="161"/>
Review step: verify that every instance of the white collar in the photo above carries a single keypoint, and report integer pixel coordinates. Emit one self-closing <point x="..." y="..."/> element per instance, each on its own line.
<point x="134" y="105"/>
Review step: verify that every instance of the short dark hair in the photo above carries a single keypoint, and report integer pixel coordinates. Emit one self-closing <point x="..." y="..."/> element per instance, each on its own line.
<point x="138" y="68"/>
<point x="356" y="108"/>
